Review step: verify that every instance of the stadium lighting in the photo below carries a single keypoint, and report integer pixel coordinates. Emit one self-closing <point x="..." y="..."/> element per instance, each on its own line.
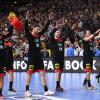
<point x="15" y="2"/>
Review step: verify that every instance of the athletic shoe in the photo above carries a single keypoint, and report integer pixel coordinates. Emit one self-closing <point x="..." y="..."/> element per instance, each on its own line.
<point x="91" y="87"/>
<point x="84" y="86"/>
<point x="28" y="94"/>
<point x="2" y="97"/>
<point x="12" y="91"/>
<point x="59" y="89"/>
<point x="48" y="93"/>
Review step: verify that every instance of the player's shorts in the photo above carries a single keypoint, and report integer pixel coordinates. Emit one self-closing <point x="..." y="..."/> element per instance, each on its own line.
<point x="35" y="63"/>
<point x="58" y="64"/>
<point x="87" y="62"/>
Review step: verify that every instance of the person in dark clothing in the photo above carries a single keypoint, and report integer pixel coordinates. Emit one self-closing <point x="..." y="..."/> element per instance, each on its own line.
<point x="44" y="51"/>
<point x="35" y="62"/>
<point x="9" y="62"/>
<point x="88" y="57"/>
<point x="98" y="75"/>
<point x="2" y="58"/>
<point x="57" y="41"/>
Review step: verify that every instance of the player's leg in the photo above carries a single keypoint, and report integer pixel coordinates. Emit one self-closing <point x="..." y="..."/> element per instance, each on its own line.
<point x="58" y="72"/>
<point x="9" y="67"/>
<point x="98" y="78"/>
<point x="44" y="84"/>
<point x="2" y="73"/>
<point x="88" y="68"/>
<point x="41" y="70"/>
<point x="28" y="79"/>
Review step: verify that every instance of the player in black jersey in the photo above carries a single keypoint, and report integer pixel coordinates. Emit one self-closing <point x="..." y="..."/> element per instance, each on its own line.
<point x="2" y="58"/>
<point x="88" y="57"/>
<point x="57" y="42"/>
<point x="35" y="62"/>
<point x="98" y="75"/>
<point x="9" y="62"/>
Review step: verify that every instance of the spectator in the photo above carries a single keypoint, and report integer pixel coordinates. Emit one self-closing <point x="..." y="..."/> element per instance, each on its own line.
<point x="96" y="52"/>
<point x="69" y="51"/>
<point x="44" y="51"/>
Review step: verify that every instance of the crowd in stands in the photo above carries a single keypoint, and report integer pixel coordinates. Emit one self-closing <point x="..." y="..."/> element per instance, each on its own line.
<point x="77" y="16"/>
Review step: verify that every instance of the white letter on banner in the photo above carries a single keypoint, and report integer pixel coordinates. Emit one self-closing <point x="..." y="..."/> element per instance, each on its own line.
<point x="67" y="65"/>
<point x="45" y="64"/>
<point x="81" y="65"/>
<point x="18" y="64"/>
<point x="23" y="65"/>
<point x="14" y="65"/>
<point x="50" y="65"/>
<point x="94" y="68"/>
<point x="75" y="65"/>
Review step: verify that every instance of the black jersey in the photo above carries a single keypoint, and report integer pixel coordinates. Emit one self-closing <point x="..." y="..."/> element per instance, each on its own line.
<point x="57" y="46"/>
<point x="2" y="37"/>
<point x="88" y="47"/>
<point x="2" y="47"/>
<point x="34" y="41"/>
<point x="1" y="42"/>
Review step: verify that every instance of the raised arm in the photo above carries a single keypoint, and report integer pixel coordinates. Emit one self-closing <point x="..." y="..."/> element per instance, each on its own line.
<point x="26" y="23"/>
<point x="93" y="36"/>
<point x="44" y="29"/>
<point x="89" y="38"/>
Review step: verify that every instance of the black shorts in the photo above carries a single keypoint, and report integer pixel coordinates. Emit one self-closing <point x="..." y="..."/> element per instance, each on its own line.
<point x="9" y="59"/>
<point x="2" y="63"/>
<point x="35" y="62"/>
<point x="87" y="62"/>
<point x="58" y="63"/>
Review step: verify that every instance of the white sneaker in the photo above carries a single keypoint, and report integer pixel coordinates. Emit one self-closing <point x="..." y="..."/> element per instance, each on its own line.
<point x="28" y="94"/>
<point x="91" y="87"/>
<point x="48" y="93"/>
<point x="2" y="97"/>
<point x="11" y="91"/>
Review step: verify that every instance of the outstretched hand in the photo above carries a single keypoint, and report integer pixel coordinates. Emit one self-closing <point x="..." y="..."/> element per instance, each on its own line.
<point x="51" y="16"/>
<point x="27" y="14"/>
<point x="97" y="32"/>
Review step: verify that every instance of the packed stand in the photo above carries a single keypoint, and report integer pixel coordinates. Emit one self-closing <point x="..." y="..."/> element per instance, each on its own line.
<point x="77" y="17"/>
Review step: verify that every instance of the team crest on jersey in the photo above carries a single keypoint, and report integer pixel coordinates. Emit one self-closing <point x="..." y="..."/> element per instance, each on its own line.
<point x="0" y="41"/>
<point x="37" y="42"/>
<point x="1" y="46"/>
<point x="60" y="45"/>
